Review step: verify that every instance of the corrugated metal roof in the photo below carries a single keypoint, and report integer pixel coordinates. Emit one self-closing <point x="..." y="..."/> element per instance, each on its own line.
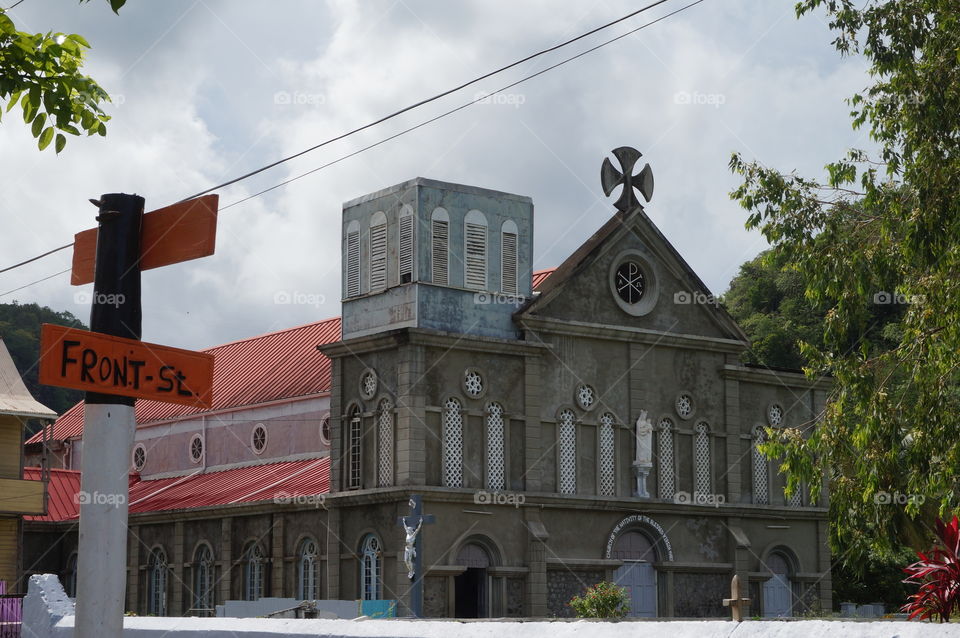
<point x="270" y="367"/>
<point x="62" y="492"/>
<point x="292" y="481"/>
<point x="15" y="399"/>
<point x="540" y="275"/>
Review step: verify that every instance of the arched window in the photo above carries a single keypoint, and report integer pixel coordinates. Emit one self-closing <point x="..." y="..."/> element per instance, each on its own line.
<point x="370" y="568"/>
<point x="452" y="444"/>
<point x="440" y="247"/>
<point x="567" y="440"/>
<point x="157" y="583"/>
<point x="608" y="482"/>
<point x="761" y="472"/>
<point x="352" y="257"/>
<point x="70" y="576"/>
<point x="253" y="560"/>
<point x="703" y="481"/>
<point x="475" y="250"/>
<point x="385" y="443"/>
<point x="406" y="253"/>
<point x="666" y="472"/>
<point x="508" y="257"/>
<point x="203" y="581"/>
<point x="495" y="455"/>
<point x="378" y="252"/>
<point x="355" y="436"/>
<point x="307" y="561"/>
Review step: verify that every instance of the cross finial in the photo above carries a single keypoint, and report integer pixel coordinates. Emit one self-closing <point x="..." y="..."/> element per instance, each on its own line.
<point x="736" y="603"/>
<point x="611" y="177"/>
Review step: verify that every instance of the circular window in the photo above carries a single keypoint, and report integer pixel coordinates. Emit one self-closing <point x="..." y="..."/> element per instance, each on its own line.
<point x="684" y="406"/>
<point x="325" y="430"/>
<point x="196" y="448"/>
<point x="586" y="396"/>
<point x="775" y="415"/>
<point x="368" y="384"/>
<point x="139" y="457"/>
<point x="633" y="283"/>
<point x="473" y="383"/>
<point x="630" y="282"/>
<point x="258" y="439"/>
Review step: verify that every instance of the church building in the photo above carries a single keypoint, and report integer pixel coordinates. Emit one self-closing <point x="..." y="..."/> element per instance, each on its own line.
<point x="560" y="428"/>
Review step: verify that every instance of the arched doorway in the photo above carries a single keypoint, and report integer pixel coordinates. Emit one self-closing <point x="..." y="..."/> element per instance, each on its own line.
<point x="637" y="574"/>
<point x="777" y="593"/>
<point x="471" y="586"/>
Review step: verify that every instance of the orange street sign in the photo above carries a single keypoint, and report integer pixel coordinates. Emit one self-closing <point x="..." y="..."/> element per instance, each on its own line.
<point x="83" y="360"/>
<point x="180" y="232"/>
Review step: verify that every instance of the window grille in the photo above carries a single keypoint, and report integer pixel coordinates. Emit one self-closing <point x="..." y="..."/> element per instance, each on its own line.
<point x="567" y="438"/>
<point x="356" y="434"/>
<point x="452" y="444"/>
<point x="607" y="455"/>
<point x="495" y="436"/>
<point x="666" y="473"/>
<point x="385" y="440"/>
<point x="761" y="474"/>
<point x="703" y="483"/>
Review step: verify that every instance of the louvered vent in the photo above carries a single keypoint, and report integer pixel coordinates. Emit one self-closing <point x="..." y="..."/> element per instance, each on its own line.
<point x="475" y="262"/>
<point x="353" y="264"/>
<point x="378" y="257"/>
<point x="440" y="250"/>
<point x="509" y="264"/>
<point x="406" y="249"/>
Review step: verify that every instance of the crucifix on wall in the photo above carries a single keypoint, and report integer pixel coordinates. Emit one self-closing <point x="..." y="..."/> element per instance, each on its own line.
<point x="413" y="551"/>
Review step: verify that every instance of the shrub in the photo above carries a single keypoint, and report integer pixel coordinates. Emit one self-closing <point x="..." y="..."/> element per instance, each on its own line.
<point x="938" y="575"/>
<point x="603" y="600"/>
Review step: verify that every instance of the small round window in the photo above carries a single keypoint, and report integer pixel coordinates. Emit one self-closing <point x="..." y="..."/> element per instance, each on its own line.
<point x="631" y="283"/>
<point x="586" y="396"/>
<point x="775" y="415"/>
<point x="196" y="448"/>
<point x="259" y="439"/>
<point x="139" y="457"/>
<point x="684" y="406"/>
<point x="325" y="430"/>
<point x="368" y="384"/>
<point x="473" y="383"/>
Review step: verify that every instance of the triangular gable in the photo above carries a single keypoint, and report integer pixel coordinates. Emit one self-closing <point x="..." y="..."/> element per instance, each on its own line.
<point x="15" y="399"/>
<point x="617" y="231"/>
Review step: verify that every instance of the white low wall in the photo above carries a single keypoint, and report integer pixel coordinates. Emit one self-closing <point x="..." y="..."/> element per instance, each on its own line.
<point x="48" y="613"/>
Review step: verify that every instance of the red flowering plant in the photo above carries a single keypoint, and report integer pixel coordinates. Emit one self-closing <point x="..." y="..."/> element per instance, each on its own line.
<point x="938" y="575"/>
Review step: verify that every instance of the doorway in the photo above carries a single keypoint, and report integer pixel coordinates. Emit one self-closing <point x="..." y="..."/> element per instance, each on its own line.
<point x="637" y="574"/>
<point x="777" y="592"/>
<point x="471" y="586"/>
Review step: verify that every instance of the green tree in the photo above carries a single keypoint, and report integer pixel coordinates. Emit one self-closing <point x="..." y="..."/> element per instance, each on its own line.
<point x="880" y="230"/>
<point x="41" y="72"/>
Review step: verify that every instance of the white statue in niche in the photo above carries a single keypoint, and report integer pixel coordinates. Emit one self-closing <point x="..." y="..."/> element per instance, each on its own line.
<point x="643" y="462"/>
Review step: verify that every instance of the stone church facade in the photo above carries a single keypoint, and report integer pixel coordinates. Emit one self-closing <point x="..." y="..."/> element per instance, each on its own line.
<point x="597" y="428"/>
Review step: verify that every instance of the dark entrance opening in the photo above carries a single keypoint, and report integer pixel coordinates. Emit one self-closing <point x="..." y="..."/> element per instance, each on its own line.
<point x="471" y="585"/>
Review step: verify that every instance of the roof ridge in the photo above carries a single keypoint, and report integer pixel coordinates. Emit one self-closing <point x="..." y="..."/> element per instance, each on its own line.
<point x="271" y="334"/>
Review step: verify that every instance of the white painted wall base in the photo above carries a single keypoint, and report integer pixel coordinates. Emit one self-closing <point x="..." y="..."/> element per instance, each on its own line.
<point x="48" y="613"/>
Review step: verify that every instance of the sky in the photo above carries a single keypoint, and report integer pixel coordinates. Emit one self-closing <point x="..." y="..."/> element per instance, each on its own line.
<point x="204" y="91"/>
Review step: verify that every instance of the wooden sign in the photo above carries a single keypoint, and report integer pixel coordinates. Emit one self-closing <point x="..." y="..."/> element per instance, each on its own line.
<point x="180" y="232"/>
<point x="83" y="360"/>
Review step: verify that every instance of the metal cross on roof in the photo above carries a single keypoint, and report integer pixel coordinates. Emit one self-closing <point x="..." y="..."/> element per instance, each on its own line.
<point x="610" y="178"/>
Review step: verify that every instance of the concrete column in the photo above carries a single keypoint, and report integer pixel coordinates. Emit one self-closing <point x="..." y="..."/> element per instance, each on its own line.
<point x="336" y="427"/>
<point x="333" y="553"/>
<point x="279" y="565"/>
<point x="133" y="569"/>
<point x="104" y="498"/>
<point x="178" y="577"/>
<point x="535" y="589"/>
<point x="823" y="565"/>
<point x="411" y="455"/>
<point x="533" y="443"/>
<point x="732" y="426"/>
<point x="226" y="560"/>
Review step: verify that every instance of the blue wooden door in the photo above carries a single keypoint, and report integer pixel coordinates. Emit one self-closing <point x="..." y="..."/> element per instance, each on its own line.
<point x="776" y="597"/>
<point x="640" y="581"/>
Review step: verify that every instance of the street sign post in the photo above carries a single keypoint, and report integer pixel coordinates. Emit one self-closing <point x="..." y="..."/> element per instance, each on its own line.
<point x="115" y="368"/>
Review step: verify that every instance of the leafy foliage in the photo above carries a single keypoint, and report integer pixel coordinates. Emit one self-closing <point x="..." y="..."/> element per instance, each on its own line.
<point x="603" y="600"/>
<point x="938" y="575"/>
<point x="41" y="73"/>
<point x="20" y="330"/>
<point x="880" y="231"/>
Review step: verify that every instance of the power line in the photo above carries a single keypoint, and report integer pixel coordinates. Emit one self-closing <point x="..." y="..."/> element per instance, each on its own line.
<point x="396" y="135"/>
<point x="391" y="115"/>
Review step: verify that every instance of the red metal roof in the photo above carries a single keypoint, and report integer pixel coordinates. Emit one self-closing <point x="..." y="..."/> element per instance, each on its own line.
<point x="292" y="481"/>
<point x="540" y="275"/>
<point x="62" y="491"/>
<point x="270" y="367"/>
